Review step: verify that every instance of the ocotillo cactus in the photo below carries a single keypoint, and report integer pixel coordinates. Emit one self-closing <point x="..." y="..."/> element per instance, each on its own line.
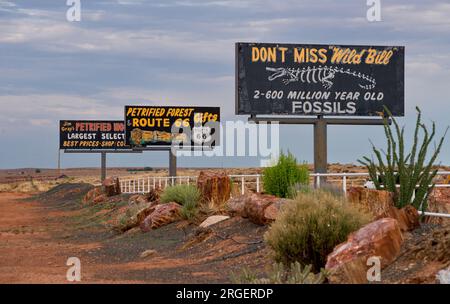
<point x="412" y="171"/>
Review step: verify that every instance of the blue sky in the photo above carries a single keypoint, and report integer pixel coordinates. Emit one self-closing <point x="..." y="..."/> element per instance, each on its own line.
<point x="182" y="53"/>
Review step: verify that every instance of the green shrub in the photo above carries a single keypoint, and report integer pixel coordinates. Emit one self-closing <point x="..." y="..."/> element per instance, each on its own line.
<point x="282" y="178"/>
<point x="309" y="227"/>
<point x="279" y="274"/>
<point x="186" y="195"/>
<point x="410" y="168"/>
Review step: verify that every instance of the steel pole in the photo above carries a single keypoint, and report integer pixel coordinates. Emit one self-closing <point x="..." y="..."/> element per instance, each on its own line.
<point x="320" y="147"/>
<point x="172" y="165"/>
<point x="103" y="166"/>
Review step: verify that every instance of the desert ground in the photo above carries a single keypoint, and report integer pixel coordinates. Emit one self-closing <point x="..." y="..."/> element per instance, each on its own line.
<point x="43" y="223"/>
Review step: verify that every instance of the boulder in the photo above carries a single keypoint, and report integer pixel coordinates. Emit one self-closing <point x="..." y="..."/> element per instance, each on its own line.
<point x="259" y="208"/>
<point x="213" y="220"/>
<point x="94" y="195"/>
<point x="376" y="202"/>
<point x="142" y="214"/>
<point x="407" y="217"/>
<point x="255" y="207"/>
<point x="163" y="214"/>
<point x="214" y="187"/>
<point x="100" y="199"/>
<point x="111" y="186"/>
<point x="380" y="204"/>
<point x="439" y="202"/>
<point x="348" y="262"/>
<point x="132" y="217"/>
<point x="137" y="199"/>
<point x="272" y="211"/>
<point x="235" y="205"/>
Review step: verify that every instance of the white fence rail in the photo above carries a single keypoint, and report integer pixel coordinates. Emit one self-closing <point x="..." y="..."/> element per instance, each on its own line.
<point x="146" y="183"/>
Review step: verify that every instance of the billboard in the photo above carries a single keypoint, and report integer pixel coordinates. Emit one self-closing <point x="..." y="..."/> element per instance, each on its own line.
<point x="162" y="126"/>
<point x="91" y="135"/>
<point x="311" y="79"/>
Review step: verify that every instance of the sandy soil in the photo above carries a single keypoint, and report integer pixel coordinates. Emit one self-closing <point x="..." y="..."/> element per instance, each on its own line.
<point x="37" y="238"/>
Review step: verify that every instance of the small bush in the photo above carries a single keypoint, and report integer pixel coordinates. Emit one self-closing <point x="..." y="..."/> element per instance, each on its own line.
<point x="295" y="274"/>
<point x="186" y="195"/>
<point x="281" y="179"/>
<point x="309" y="227"/>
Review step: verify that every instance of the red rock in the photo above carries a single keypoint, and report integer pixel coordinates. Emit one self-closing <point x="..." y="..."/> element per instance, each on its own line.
<point x="92" y="195"/>
<point x="163" y="214"/>
<point x="214" y="187"/>
<point x="380" y="204"/>
<point x="439" y="202"/>
<point x="272" y="211"/>
<point x="235" y="205"/>
<point x="100" y="199"/>
<point x="259" y="208"/>
<point x="376" y="202"/>
<point x="407" y="217"/>
<point x="347" y="263"/>
<point x="111" y="186"/>
<point x="137" y="199"/>
<point x="132" y="216"/>
<point x="143" y="213"/>
<point x="255" y="207"/>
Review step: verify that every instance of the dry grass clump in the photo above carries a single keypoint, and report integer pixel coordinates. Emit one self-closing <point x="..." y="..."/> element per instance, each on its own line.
<point x="188" y="196"/>
<point x="279" y="274"/>
<point x="310" y="226"/>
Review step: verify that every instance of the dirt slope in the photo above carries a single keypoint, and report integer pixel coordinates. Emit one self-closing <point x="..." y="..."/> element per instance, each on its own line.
<point x="38" y="234"/>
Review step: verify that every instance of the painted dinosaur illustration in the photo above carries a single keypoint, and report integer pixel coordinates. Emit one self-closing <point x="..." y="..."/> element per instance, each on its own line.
<point x="323" y="75"/>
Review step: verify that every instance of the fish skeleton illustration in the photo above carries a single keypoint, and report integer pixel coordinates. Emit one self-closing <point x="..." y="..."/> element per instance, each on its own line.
<point x="323" y="75"/>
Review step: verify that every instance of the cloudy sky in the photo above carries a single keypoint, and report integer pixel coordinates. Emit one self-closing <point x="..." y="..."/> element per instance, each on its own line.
<point x="166" y="52"/>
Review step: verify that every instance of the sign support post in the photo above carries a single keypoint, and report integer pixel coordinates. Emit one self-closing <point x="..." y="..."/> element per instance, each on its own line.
<point x="320" y="147"/>
<point x="172" y="166"/>
<point x="59" y="162"/>
<point x="103" y="166"/>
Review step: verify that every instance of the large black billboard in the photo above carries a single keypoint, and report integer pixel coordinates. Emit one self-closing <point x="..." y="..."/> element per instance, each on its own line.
<point x="91" y="135"/>
<point x="308" y="79"/>
<point x="162" y="126"/>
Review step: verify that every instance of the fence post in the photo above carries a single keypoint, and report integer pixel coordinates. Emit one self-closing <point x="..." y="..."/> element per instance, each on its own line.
<point x="242" y="185"/>
<point x="257" y="183"/>
<point x="344" y="185"/>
